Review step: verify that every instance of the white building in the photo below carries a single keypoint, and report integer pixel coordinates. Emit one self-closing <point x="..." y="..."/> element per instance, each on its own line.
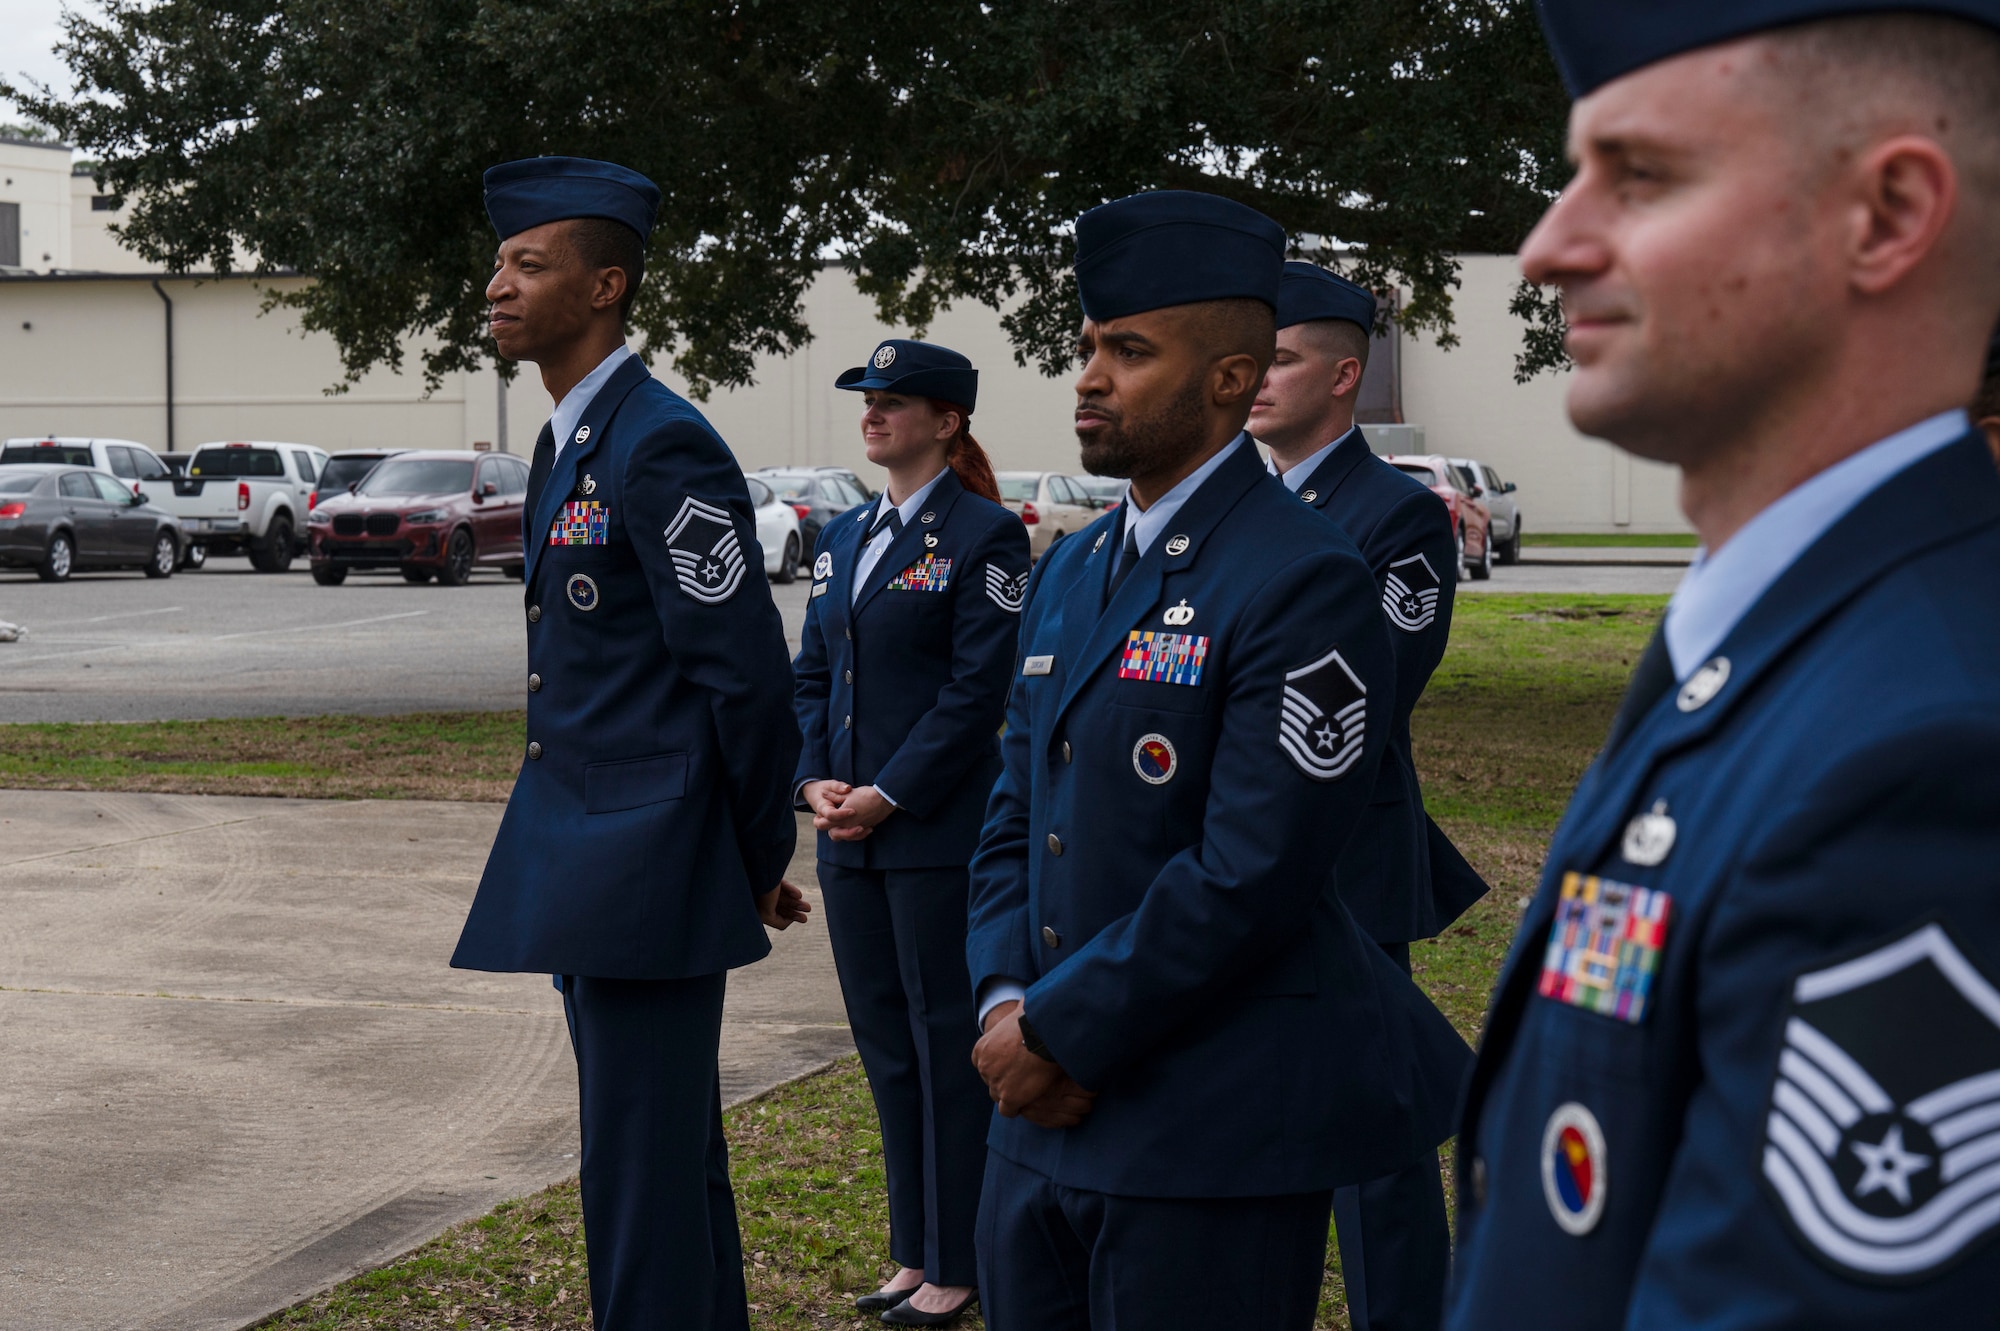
<point x="87" y="334"/>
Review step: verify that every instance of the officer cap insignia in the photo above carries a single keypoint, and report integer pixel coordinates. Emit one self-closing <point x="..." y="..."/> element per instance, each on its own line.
<point x="1573" y="1173"/>
<point x="1154" y="759"/>
<point x="708" y="559"/>
<point x="928" y="518"/>
<point x="1703" y="685"/>
<point x="587" y="485"/>
<point x="1410" y="594"/>
<point x="1177" y="545"/>
<point x="1884" y="1114"/>
<point x="1649" y="837"/>
<point x="1309" y="495"/>
<point x="1098" y="544"/>
<point x="582" y="433"/>
<point x="1006" y="589"/>
<point x="1323" y="720"/>
<point x="930" y="541"/>
<point x="823" y="566"/>
<point x="885" y="356"/>
<point x="582" y="591"/>
<point x="1179" y="616"/>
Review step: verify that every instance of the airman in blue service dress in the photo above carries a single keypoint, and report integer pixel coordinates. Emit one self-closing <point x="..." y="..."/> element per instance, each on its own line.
<point x="1742" y="1067"/>
<point x="1185" y="751"/>
<point x="902" y="676"/>
<point x="653" y="804"/>
<point x="1400" y="877"/>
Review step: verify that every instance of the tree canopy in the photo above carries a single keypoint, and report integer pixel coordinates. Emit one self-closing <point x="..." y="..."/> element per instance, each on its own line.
<point x="940" y="153"/>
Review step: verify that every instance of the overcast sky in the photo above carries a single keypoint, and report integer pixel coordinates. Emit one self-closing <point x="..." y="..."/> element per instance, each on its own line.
<point x="28" y="35"/>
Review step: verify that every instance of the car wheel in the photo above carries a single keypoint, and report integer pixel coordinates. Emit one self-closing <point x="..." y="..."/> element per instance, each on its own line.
<point x="1484" y="568"/>
<point x="329" y="575"/>
<point x="515" y="571"/>
<point x="166" y="556"/>
<point x="413" y="574"/>
<point x="60" y="559"/>
<point x="194" y="556"/>
<point x="788" y="565"/>
<point x="457" y="570"/>
<point x="1510" y="553"/>
<point x="273" y="554"/>
<point x="1459" y="537"/>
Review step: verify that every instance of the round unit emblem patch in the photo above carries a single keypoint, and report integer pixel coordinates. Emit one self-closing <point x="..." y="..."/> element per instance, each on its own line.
<point x="823" y="566"/>
<point x="1154" y="759"/>
<point x="1573" y="1172"/>
<point x="582" y="591"/>
<point x="885" y="356"/>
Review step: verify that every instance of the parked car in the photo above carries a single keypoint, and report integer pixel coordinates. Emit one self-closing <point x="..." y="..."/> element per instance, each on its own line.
<point x="58" y="519"/>
<point x="343" y="471"/>
<point x="777" y="531"/>
<point x="430" y="514"/>
<point x="143" y="471"/>
<point x="1108" y="491"/>
<point x="847" y="474"/>
<point x="817" y="494"/>
<point x="1470" y="522"/>
<point x="1498" y="496"/>
<point x="247" y="498"/>
<point x="1049" y="503"/>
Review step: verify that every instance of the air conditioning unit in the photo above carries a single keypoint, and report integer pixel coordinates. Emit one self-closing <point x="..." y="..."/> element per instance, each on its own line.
<point x="1401" y="439"/>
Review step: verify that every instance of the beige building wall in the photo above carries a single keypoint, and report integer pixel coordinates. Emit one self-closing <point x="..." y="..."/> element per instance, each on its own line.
<point x="36" y="176"/>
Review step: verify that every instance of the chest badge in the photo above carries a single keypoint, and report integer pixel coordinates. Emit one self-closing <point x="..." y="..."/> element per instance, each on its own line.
<point x="1309" y="495"/>
<point x="582" y="433"/>
<point x="823" y="566"/>
<point x="1177" y="545"/>
<point x="1604" y="946"/>
<point x="930" y="541"/>
<point x="927" y="519"/>
<point x="1154" y="759"/>
<point x="1703" y="685"/>
<point x="1573" y="1168"/>
<point x="1179" y="616"/>
<point x="589" y="485"/>
<point x="1649" y="837"/>
<point x="582" y="591"/>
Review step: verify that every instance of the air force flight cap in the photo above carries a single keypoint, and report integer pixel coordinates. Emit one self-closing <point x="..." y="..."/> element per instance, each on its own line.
<point x="918" y="369"/>
<point x="1174" y="247"/>
<point x="1309" y="292"/>
<point x="1595" y="42"/>
<point x="527" y="193"/>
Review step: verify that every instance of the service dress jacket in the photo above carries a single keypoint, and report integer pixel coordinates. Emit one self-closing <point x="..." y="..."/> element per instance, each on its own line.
<point x="1400" y="876"/>
<point x="1742" y="1067"/>
<point x="906" y="685"/>
<point x="653" y="804"/>
<point x="1180" y="765"/>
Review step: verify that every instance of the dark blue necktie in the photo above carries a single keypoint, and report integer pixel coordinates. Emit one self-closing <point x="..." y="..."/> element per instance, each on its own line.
<point x="893" y="520"/>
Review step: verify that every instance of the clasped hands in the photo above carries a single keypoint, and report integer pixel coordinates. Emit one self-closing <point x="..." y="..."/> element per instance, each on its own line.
<point x="844" y="812"/>
<point x="1024" y="1084"/>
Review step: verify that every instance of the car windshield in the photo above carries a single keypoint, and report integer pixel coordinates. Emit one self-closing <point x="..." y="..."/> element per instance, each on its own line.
<point x="20" y="482"/>
<point x="342" y="472"/>
<point x="237" y="462"/>
<point x="418" y="476"/>
<point x="791" y="489"/>
<point x="1418" y="470"/>
<point x="1020" y="489"/>
<point x="73" y="455"/>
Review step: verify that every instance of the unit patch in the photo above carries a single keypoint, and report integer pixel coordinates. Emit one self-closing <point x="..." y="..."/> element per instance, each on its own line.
<point x="1410" y="594"/>
<point x="823" y="566"/>
<point x="1007" y="590"/>
<point x="1163" y="658"/>
<point x="929" y="574"/>
<point x="708" y="559"/>
<point x="1154" y="759"/>
<point x="1882" y="1145"/>
<point x="1573" y="1168"/>
<point x="582" y="591"/>
<point x="1323" y="720"/>
<point x="1604" y="946"/>
<point x="581" y="522"/>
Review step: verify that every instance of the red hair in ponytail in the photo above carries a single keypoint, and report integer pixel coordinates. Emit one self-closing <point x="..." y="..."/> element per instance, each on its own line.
<point x="964" y="455"/>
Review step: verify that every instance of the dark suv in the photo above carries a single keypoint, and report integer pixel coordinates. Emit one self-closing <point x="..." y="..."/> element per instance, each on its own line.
<point x="344" y="471"/>
<point x="432" y="515"/>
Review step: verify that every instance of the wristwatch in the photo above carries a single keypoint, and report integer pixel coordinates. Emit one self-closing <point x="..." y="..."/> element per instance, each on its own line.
<point x="1032" y="1040"/>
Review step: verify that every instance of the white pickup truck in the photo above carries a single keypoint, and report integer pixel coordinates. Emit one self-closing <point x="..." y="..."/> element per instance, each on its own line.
<point x="247" y="498"/>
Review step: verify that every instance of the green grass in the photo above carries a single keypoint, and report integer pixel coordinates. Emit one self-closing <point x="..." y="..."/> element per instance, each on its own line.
<point x="1629" y="539"/>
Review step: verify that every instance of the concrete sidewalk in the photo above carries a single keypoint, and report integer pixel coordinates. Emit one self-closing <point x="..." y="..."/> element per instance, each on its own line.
<point x="1677" y="556"/>
<point x="239" y="1068"/>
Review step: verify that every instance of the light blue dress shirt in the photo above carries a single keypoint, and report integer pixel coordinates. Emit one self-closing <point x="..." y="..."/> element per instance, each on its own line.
<point x="562" y="421"/>
<point x="1720" y="588"/>
<point x="1296" y="477"/>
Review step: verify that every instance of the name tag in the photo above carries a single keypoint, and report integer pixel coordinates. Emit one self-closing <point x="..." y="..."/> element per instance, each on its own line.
<point x="819" y="589"/>
<point x="1038" y="665"/>
<point x="1604" y="946"/>
<point x="581" y="522"/>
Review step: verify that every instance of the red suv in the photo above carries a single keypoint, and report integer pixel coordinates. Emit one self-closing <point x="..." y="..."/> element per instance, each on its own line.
<point x="1470" y="521"/>
<point x="432" y="515"/>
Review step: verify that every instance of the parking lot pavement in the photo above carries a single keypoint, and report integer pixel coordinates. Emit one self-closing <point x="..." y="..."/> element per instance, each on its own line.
<point x="228" y="641"/>
<point x="239" y="1068"/>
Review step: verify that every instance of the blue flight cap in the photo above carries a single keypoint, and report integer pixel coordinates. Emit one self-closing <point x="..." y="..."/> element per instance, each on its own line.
<point x="1174" y="247"/>
<point x="527" y="193"/>
<point x="918" y="369"/>
<point x="1309" y="292"/>
<point x="1595" y="42"/>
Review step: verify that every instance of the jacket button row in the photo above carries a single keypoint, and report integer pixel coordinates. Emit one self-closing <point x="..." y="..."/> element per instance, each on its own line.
<point x="847" y="676"/>
<point x="534" y="683"/>
<point x="534" y="614"/>
<point x="1051" y="937"/>
<point x="1055" y="844"/>
<point x="534" y="749"/>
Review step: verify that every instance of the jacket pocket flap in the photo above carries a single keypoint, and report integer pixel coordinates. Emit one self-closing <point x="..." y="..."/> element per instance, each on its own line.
<point x="608" y="787"/>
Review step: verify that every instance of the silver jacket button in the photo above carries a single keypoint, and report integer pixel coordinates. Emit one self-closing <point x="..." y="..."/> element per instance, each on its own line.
<point x="1051" y="937"/>
<point x="847" y="723"/>
<point x="847" y="676"/>
<point x="534" y="683"/>
<point x="534" y="614"/>
<point x="1066" y="755"/>
<point x="534" y="749"/>
<point x="1055" y="844"/>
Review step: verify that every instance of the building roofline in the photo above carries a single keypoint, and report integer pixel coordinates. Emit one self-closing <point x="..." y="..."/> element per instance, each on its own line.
<point x="12" y="141"/>
<point x="70" y="275"/>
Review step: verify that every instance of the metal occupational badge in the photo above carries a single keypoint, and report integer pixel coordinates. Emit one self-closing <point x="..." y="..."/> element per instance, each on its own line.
<point x="1410" y="594"/>
<point x="1323" y="720"/>
<point x="708" y="559"/>
<point x="1007" y="590"/>
<point x="1649" y="837"/>
<point x="1882" y="1146"/>
<point x="1604" y="946"/>
<point x="588" y="485"/>
<point x="1154" y="759"/>
<point x="1573" y="1168"/>
<point x="582" y="591"/>
<point x="1179" y="616"/>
